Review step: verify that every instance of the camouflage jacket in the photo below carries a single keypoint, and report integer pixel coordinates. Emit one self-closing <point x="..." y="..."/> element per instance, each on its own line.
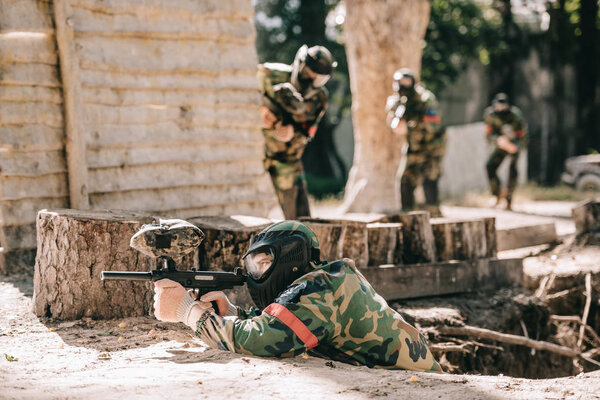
<point x="304" y="111"/>
<point x="331" y="312"/>
<point x="510" y="124"/>
<point x="423" y="118"/>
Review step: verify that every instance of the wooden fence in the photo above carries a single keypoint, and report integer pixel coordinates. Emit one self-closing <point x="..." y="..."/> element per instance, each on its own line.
<point x="147" y="105"/>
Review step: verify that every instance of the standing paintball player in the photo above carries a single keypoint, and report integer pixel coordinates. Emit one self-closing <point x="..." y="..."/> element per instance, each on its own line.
<point x="412" y="111"/>
<point x="304" y="305"/>
<point x="506" y="130"/>
<point x="293" y="101"/>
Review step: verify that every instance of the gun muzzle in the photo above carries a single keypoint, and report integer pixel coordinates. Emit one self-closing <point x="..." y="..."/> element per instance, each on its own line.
<point x="126" y="276"/>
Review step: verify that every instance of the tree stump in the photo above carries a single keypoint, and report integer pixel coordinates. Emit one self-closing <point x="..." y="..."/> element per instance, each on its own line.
<point x="417" y="237"/>
<point x="353" y="241"/>
<point x="72" y="248"/>
<point x="329" y="239"/>
<point x="459" y="239"/>
<point x="385" y="243"/>
<point x="491" y="236"/>
<point x="586" y="216"/>
<point x="226" y="240"/>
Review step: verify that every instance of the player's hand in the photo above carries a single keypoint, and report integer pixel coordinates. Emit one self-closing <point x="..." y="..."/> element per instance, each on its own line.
<point x="283" y="133"/>
<point x="225" y="307"/>
<point x="268" y="118"/>
<point x="505" y="144"/>
<point x="401" y="129"/>
<point x="172" y="303"/>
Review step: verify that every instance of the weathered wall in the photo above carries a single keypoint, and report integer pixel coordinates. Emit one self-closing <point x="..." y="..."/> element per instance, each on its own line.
<point x="32" y="165"/>
<point x="166" y="108"/>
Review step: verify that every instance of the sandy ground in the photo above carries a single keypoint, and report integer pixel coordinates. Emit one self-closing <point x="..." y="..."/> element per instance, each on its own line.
<point x="143" y="358"/>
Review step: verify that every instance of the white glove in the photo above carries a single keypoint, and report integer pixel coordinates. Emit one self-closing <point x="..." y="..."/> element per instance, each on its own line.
<point x="226" y="308"/>
<point x="172" y="303"/>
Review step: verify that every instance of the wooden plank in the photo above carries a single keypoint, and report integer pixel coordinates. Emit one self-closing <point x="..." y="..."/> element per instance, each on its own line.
<point x="26" y="15"/>
<point x="31" y="137"/>
<point x="27" y="47"/>
<point x="31" y="113"/>
<point x="22" y="187"/>
<point x="23" y="211"/>
<point x="30" y="94"/>
<point x="171" y="97"/>
<point x="176" y="198"/>
<point x="14" y="237"/>
<point x="244" y="79"/>
<point x="17" y="261"/>
<point x="165" y="175"/>
<point x="156" y="55"/>
<point x="155" y="9"/>
<point x="219" y="28"/>
<point x="195" y="153"/>
<point x="71" y="80"/>
<point x="451" y="277"/>
<point x="242" y="115"/>
<point x="258" y="206"/>
<point x="168" y="133"/>
<point x="29" y="75"/>
<point x="525" y="236"/>
<point x="32" y="163"/>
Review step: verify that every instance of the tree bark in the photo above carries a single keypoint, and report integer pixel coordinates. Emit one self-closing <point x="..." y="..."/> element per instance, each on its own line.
<point x="385" y="243"/>
<point x="381" y="36"/>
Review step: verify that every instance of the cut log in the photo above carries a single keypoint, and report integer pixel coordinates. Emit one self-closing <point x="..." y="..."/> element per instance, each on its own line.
<point x="354" y="243"/>
<point x="417" y="237"/>
<point x="385" y="243"/>
<point x="329" y="239"/>
<point x="459" y="239"/>
<point x="226" y="240"/>
<point x="525" y="236"/>
<point x="587" y="217"/>
<point x="491" y="236"/>
<point x="73" y="248"/>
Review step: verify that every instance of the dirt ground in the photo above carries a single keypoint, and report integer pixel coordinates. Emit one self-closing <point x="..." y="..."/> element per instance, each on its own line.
<point x="144" y="358"/>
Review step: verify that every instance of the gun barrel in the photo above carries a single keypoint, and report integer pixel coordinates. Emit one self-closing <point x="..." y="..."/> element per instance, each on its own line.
<point x="125" y="276"/>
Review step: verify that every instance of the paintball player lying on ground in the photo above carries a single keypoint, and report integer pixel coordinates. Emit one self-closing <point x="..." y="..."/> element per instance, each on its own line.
<point x="327" y="309"/>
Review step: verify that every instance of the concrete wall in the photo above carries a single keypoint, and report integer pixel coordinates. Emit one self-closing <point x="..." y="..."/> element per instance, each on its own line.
<point x="167" y="109"/>
<point x="467" y="151"/>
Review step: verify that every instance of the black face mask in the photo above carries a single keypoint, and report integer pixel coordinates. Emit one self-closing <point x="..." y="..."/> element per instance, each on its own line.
<point x="406" y="90"/>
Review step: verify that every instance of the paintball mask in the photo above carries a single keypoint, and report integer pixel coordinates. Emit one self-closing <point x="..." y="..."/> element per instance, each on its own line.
<point x="278" y="256"/>
<point x="404" y="82"/>
<point x="312" y="67"/>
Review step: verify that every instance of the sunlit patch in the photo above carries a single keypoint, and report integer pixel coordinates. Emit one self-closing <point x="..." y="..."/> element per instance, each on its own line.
<point x="24" y="35"/>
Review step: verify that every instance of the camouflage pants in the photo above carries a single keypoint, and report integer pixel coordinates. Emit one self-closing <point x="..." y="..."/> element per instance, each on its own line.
<point x="492" y="165"/>
<point x="424" y="170"/>
<point x="290" y="186"/>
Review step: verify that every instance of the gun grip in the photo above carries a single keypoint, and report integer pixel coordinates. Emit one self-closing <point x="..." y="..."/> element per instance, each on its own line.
<point x="215" y="307"/>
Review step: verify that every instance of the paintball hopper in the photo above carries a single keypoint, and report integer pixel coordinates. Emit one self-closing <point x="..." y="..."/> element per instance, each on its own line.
<point x="170" y="238"/>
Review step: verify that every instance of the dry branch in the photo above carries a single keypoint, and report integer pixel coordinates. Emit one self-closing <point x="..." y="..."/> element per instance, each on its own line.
<point x="577" y="319"/>
<point x="515" y="339"/>
<point x="586" y="308"/>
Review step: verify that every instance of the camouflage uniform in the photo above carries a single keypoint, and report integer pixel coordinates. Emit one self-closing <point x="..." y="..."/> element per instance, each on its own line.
<point x="426" y="146"/>
<point x="510" y="124"/>
<point x="283" y="159"/>
<point x="331" y="312"/>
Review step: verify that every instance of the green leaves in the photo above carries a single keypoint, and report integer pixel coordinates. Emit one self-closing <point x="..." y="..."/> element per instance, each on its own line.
<point x="10" y="358"/>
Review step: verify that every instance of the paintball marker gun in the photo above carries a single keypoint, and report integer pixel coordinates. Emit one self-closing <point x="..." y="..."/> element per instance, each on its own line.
<point x="169" y="241"/>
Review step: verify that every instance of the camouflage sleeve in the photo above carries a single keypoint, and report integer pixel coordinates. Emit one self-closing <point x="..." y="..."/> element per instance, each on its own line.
<point x="320" y="111"/>
<point x="282" y="330"/>
<point x="489" y="123"/>
<point x="264" y="83"/>
<point x="432" y="119"/>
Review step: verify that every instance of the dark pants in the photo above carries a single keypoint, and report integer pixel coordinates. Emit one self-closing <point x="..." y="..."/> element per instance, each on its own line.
<point x="492" y="165"/>
<point x="407" y="191"/>
<point x="294" y="201"/>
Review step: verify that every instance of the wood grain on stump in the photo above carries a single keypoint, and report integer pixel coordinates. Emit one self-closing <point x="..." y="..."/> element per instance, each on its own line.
<point x="385" y="243"/>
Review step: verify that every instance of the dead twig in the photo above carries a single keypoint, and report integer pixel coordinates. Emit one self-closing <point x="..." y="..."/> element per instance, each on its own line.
<point x="448" y="347"/>
<point x="515" y="339"/>
<point x="586" y="309"/>
<point x="562" y="293"/>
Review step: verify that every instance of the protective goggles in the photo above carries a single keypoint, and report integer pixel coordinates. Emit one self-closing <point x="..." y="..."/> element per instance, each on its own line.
<point x="259" y="262"/>
<point x="318" y="80"/>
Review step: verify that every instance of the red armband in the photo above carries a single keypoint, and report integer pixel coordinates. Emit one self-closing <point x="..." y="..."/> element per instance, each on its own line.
<point x="294" y="323"/>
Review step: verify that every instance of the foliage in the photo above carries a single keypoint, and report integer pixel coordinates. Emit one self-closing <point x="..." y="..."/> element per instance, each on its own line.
<point x="459" y="31"/>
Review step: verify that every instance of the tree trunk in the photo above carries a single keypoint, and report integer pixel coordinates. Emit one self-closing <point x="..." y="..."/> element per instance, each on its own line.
<point x="381" y="36"/>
